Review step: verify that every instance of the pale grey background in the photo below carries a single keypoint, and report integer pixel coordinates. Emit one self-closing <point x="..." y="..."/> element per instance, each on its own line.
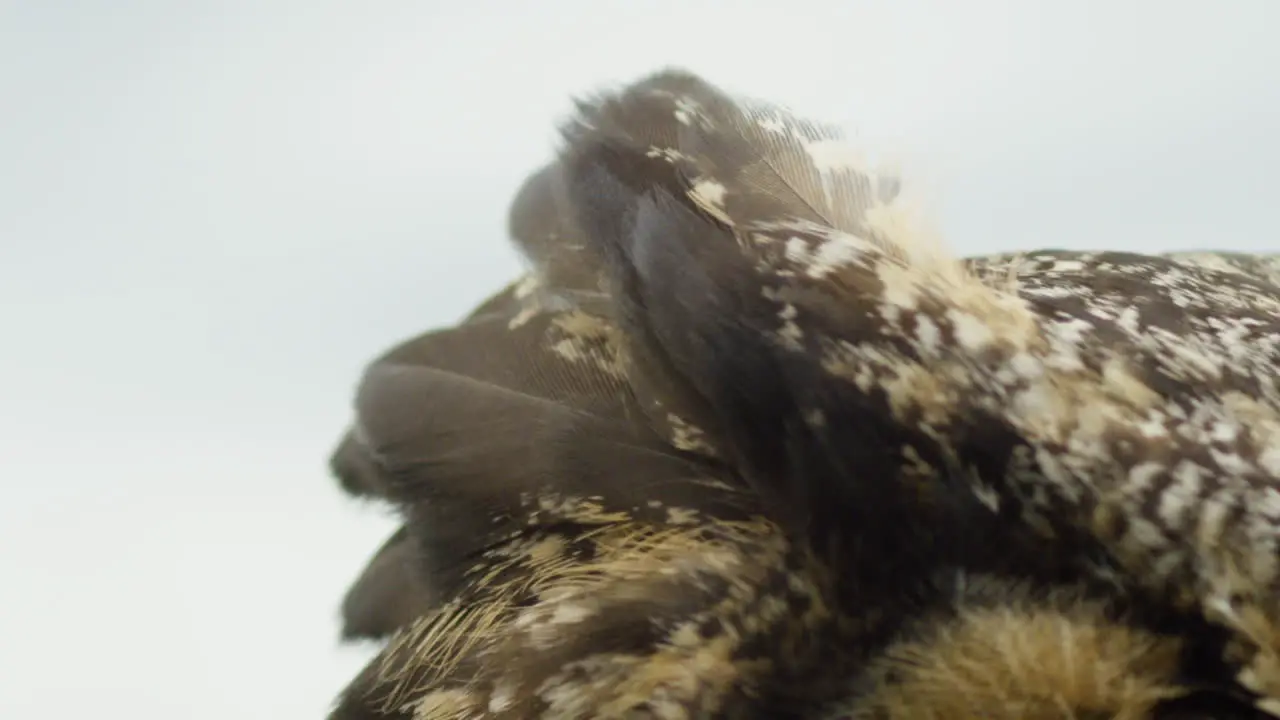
<point x="211" y="214"/>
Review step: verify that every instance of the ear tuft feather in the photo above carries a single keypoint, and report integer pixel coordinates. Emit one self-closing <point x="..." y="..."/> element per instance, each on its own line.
<point x="700" y="239"/>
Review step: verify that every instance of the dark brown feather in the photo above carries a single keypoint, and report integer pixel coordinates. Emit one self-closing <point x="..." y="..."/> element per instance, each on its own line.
<point x="390" y="594"/>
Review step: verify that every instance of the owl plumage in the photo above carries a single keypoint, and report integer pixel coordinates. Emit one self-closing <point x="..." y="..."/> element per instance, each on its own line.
<point x="745" y="443"/>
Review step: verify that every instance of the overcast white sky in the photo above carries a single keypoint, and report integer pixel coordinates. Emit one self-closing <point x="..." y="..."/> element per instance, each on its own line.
<point x="212" y="214"/>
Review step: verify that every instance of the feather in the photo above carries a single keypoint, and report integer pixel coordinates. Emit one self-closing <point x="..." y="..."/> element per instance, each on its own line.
<point x="515" y="448"/>
<point x="698" y="317"/>
<point x="801" y="332"/>
<point x="675" y="622"/>
<point x="1005" y="649"/>
<point x="486" y="430"/>
<point x="390" y="594"/>
<point x="357" y="472"/>
<point x="545" y="234"/>
<point x="566" y="274"/>
<point x="747" y="442"/>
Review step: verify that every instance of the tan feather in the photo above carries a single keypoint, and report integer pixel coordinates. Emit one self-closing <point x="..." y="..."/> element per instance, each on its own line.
<point x="1026" y="656"/>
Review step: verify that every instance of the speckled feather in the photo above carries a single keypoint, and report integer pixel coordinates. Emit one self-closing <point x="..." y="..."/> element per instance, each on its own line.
<point x="1157" y="436"/>
<point x="748" y="443"/>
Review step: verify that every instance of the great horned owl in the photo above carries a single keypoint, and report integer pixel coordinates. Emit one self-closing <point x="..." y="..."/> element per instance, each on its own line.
<point x="746" y="443"/>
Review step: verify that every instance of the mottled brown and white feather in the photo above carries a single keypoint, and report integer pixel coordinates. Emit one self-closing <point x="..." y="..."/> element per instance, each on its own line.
<point x="748" y="442"/>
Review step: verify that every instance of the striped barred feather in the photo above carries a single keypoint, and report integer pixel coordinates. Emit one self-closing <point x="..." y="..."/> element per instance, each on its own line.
<point x="748" y="441"/>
